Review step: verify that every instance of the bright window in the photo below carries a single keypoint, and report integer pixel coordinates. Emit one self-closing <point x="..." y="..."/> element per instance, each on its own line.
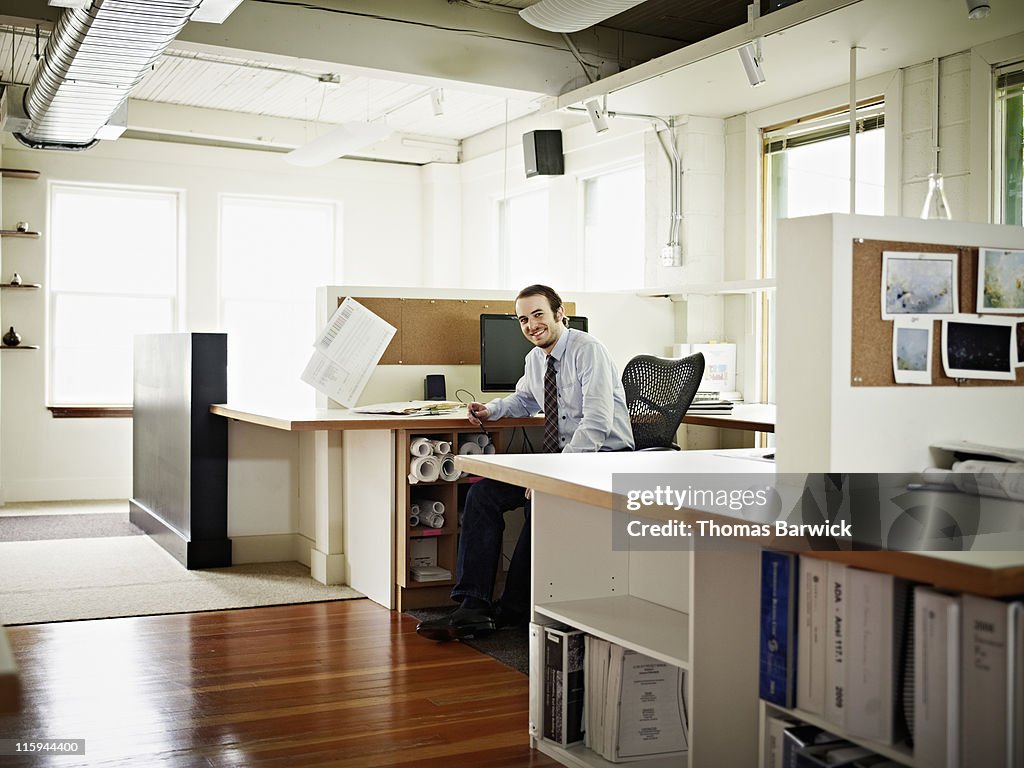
<point x="1009" y="144"/>
<point x="807" y="172"/>
<point x="523" y="240"/>
<point x="613" y="233"/>
<point x="113" y="274"/>
<point x="274" y="254"/>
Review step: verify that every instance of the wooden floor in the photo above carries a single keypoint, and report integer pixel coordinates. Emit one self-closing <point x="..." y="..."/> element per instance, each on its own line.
<point x="341" y="683"/>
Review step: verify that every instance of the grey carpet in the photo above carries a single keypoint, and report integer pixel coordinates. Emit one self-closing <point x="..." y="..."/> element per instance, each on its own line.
<point x="509" y="646"/>
<point x="84" y="526"/>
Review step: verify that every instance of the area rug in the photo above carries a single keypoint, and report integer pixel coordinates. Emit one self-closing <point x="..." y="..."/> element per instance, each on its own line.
<point x="85" y="526"/>
<point x="509" y="646"/>
<point x="71" y="579"/>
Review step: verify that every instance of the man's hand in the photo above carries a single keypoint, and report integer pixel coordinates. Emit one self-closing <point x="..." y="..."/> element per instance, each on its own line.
<point x="477" y="413"/>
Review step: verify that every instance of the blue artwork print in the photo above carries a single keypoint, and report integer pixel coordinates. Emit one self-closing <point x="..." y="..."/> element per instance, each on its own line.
<point x="1002" y="278"/>
<point x="919" y="287"/>
<point x="912" y="348"/>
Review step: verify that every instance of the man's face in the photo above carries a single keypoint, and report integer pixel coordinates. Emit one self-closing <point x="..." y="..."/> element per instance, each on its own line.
<point x="540" y="325"/>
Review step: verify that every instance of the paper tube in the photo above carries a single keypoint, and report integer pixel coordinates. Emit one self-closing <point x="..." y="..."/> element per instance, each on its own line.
<point x="470" y="448"/>
<point x="425" y="469"/>
<point x="489" y="448"/>
<point x="448" y="470"/>
<point x="433" y="520"/>
<point x="435" y="507"/>
<point x="420" y="447"/>
<point x="441" y="447"/>
<point x="480" y="439"/>
<point x="414" y="520"/>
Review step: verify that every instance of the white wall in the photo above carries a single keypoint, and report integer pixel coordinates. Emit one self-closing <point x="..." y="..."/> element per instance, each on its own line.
<point x="46" y="458"/>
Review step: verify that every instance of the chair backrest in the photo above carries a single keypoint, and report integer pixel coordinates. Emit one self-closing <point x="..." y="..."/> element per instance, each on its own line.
<point x="658" y="392"/>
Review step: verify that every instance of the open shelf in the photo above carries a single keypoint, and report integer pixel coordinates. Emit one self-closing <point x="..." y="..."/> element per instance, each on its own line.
<point x="20" y="346"/>
<point x="18" y="173"/>
<point x="31" y="235"/>
<point x="22" y="287"/>
<point x="630" y="622"/>
<point x="725" y="287"/>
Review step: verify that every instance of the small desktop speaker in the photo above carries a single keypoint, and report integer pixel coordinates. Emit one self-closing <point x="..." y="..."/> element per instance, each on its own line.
<point x="433" y="387"/>
<point x="542" y="153"/>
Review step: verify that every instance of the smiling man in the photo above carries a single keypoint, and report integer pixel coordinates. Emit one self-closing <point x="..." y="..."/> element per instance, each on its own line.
<point x="570" y="375"/>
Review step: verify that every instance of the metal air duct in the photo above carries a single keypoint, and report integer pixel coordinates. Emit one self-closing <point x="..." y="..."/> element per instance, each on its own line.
<point x="94" y="58"/>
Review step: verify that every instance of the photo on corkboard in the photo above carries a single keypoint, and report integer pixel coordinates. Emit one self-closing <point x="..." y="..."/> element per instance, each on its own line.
<point x="1000" y="281"/>
<point x="919" y="284"/>
<point x="1020" y="344"/>
<point x="912" y="350"/>
<point x="979" y="348"/>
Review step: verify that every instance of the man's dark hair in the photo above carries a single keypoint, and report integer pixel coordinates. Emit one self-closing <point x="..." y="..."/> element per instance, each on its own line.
<point x="554" y="300"/>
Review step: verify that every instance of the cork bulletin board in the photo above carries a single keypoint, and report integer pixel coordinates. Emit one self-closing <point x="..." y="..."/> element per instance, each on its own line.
<point x="871" y="337"/>
<point x="436" y="331"/>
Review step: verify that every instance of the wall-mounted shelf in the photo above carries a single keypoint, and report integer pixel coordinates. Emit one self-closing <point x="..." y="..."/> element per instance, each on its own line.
<point x="17" y="233"/>
<point x="723" y="288"/>
<point x="22" y="287"/>
<point x="20" y="346"/>
<point x="18" y="173"/>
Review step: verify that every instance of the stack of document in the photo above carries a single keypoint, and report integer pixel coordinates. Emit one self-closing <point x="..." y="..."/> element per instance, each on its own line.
<point x="710" y="406"/>
<point x="430" y="573"/>
<point x="412" y="408"/>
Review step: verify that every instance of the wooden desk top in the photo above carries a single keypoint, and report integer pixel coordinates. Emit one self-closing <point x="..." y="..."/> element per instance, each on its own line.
<point x="10" y="687"/>
<point x="588" y="477"/>
<point x="756" y="417"/>
<point x="310" y="419"/>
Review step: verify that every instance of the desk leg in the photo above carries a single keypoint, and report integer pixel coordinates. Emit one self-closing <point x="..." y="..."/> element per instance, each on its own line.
<point x="327" y="558"/>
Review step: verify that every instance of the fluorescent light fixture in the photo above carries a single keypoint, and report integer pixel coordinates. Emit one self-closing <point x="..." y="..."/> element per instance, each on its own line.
<point x="573" y="15"/>
<point x="978" y="9"/>
<point x="214" y="11"/>
<point x="751" y="65"/>
<point x="68" y="3"/>
<point x="338" y="142"/>
<point x="597" y="116"/>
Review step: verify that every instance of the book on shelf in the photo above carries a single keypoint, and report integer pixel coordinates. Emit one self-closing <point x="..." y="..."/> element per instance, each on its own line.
<point x="839" y="754"/>
<point x="429" y="573"/>
<point x="988" y="719"/>
<point x="563" y="685"/>
<point x="635" y="705"/>
<point x="799" y="737"/>
<point x="777" y="662"/>
<point x="812" y="622"/>
<point x="835" y="672"/>
<point x="878" y="626"/>
<point x="937" y="679"/>
<point x="774" y="739"/>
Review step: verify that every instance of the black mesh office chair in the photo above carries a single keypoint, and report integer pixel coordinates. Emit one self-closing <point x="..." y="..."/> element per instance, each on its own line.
<point x="658" y="392"/>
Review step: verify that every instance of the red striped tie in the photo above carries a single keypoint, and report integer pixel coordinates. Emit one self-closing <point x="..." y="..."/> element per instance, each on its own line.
<point x="551" y="444"/>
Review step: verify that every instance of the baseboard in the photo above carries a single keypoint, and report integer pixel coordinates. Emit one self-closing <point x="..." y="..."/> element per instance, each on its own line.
<point x="192" y="553"/>
<point x="266" y="548"/>
<point x="68" y="489"/>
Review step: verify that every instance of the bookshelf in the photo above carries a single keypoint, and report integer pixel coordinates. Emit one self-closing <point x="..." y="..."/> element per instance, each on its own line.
<point x="694" y="609"/>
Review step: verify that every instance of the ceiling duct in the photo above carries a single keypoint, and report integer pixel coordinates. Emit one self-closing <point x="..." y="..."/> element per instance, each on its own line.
<point x="94" y="58"/>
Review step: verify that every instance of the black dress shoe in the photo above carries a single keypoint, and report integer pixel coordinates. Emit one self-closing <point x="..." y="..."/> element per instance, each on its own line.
<point x="460" y="623"/>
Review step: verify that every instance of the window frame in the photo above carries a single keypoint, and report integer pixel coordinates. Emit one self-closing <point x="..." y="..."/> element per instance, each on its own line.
<point x="177" y="298"/>
<point x="634" y="163"/>
<point x="1004" y="78"/>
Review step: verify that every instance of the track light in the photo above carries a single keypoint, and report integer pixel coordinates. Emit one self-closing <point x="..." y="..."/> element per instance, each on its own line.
<point x="437" y="101"/>
<point x="978" y="9"/>
<point x="598" y="117"/>
<point x="752" y="64"/>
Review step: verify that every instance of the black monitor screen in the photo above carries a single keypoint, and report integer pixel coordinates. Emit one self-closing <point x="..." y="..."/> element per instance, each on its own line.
<point x="503" y="350"/>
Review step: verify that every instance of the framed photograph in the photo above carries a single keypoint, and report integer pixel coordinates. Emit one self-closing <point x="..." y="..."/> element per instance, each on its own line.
<point x="912" y="350"/>
<point x="919" y="284"/>
<point x="1000" y="281"/>
<point x="1020" y="344"/>
<point x="980" y="348"/>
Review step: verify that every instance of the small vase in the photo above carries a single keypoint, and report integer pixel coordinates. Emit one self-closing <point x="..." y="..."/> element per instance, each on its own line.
<point x="12" y="338"/>
<point x="16" y="280"/>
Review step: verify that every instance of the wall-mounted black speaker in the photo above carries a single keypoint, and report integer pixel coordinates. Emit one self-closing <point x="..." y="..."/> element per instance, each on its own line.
<point x="433" y="387"/>
<point x="542" y="153"/>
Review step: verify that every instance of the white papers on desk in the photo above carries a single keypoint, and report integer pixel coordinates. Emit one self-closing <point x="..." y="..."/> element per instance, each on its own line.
<point x="412" y="408"/>
<point x="347" y="351"/>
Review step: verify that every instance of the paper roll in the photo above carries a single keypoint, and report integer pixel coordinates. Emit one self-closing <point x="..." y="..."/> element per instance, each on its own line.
<point x="480" y="439"/>
<point x="435" y="507"/>
<point x="414" y="520"/>
<point x="434" y="521"/>
<point x="472" y="447"/>
<point x="414" y="509"/>
<point x="448" y="470"/>
<point x="489" y="448"/>
<point x="426" y="469"/>
<point x="421" y="446"/>
<point x="440" y="447"/>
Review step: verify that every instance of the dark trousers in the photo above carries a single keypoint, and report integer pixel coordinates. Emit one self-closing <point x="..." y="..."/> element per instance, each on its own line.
<point x="483" y="525"/>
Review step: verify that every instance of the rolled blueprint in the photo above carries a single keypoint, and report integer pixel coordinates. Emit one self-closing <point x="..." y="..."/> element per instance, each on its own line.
<point x="471" y="447"/>
<point x="420" y="447"/>
<point x="414" y="520"/>
<point x="434" y="507"/>
<point x="441" y="447"/>
<point x="424" y="469"/>
<point x="448" y="470"/>
<point x="480" y="439"/>
<point x="489" y="448"/>
<point x="434" y="520"/>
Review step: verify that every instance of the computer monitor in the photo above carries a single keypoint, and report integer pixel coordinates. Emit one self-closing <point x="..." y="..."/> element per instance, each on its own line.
<point x="503" y="350"/>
